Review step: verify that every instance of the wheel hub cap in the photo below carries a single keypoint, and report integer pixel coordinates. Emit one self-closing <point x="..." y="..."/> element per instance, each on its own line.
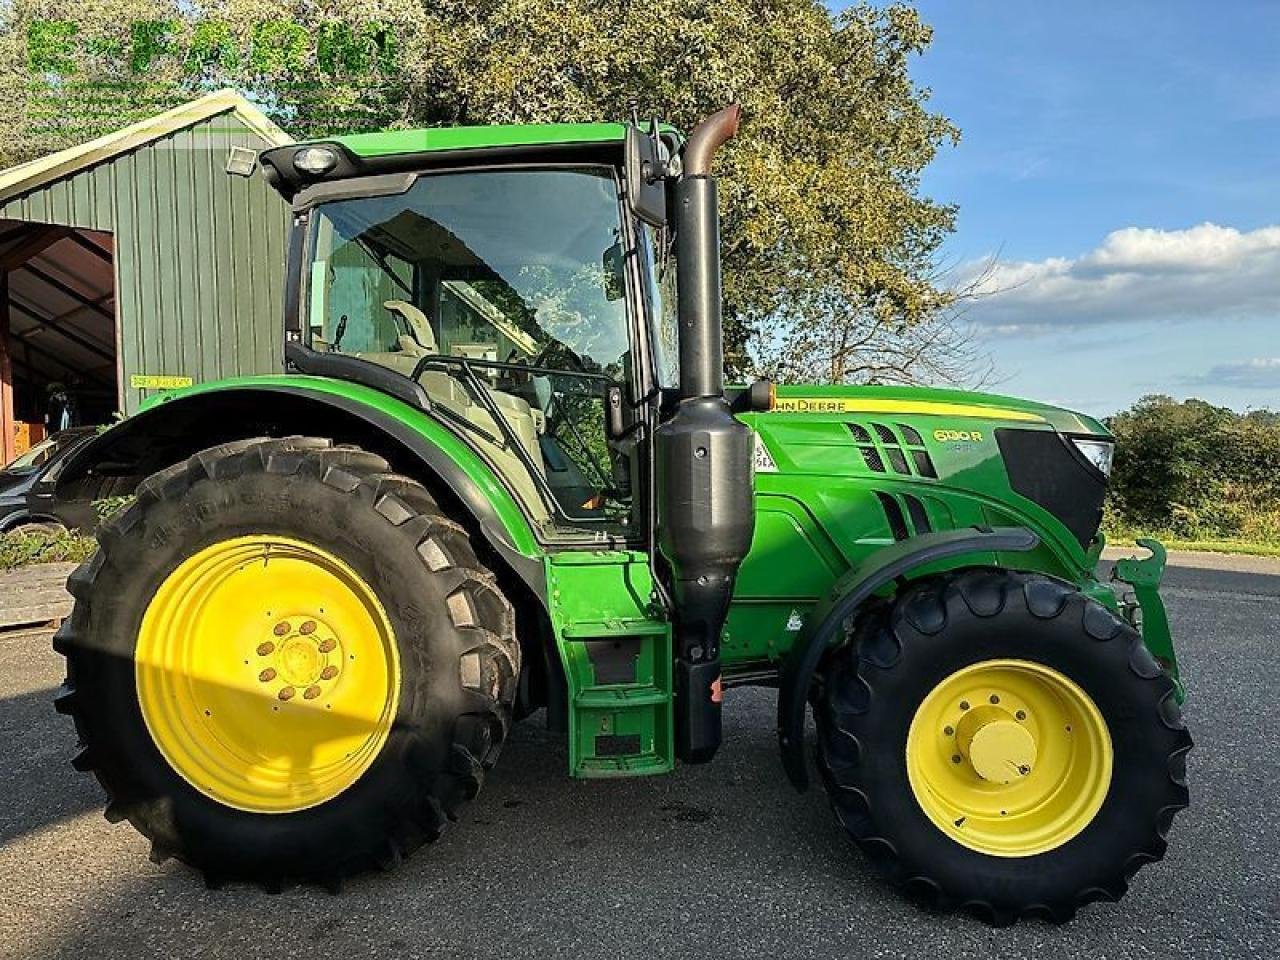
<point x="998" y="747"/>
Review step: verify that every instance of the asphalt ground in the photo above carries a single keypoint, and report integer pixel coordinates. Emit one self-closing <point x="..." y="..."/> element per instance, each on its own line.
<point x="720" y="861"/>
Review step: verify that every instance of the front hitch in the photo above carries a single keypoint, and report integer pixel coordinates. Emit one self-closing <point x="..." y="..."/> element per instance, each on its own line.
<point x="1144" y="608"/>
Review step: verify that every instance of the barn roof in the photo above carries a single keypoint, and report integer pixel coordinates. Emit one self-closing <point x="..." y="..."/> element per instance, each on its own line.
<point x="25" y="177"/>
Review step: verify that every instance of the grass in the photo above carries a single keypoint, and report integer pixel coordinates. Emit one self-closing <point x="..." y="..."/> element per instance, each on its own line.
<point x="24" y="549"/>
<point x="1125" y="538"/>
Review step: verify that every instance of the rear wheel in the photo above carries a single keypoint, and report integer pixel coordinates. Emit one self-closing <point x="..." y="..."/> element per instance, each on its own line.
<point x="44" y="529"/>
<point x="285" y="663"/>
<point x="1000" y="742"/>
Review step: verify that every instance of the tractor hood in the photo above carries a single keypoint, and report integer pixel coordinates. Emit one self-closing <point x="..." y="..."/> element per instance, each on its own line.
<point x="936" y="459"/>
<point x="932" y="402"/>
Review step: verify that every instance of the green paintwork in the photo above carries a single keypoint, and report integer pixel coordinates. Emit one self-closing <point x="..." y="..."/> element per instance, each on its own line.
<point x="435" y="139"/>
<point x="1144" y="575"/>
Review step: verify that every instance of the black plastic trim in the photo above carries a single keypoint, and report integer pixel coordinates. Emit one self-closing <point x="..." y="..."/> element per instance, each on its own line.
<point x="355" y="370"/>
<point x="278" y="162"/>
<point x="843" y="600"/>
<point x="1045" y="467"/>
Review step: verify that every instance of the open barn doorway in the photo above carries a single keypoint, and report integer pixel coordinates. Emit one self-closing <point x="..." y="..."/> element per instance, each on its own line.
<point x="59" y="361"/>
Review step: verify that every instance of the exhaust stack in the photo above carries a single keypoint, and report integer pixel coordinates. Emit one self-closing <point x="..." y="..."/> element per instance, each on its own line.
<point x="706" y="513"/>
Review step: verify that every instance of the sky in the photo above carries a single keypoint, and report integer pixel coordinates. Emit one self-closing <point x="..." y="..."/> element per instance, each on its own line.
<point x="1118" y="179"/>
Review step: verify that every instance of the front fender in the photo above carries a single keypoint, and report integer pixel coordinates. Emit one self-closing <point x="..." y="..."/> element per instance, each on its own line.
<point x="846" y="595"/>
<point x="182" y="423"/>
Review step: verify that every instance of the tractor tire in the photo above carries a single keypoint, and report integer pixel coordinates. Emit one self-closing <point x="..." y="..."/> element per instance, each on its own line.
<point x="43" y="529"/>
<point x="227" y="715"/>
<point x="1000" y="743"/>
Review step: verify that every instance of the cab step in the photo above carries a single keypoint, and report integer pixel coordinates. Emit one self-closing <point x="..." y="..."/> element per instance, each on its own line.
<point x="619" y="670"/>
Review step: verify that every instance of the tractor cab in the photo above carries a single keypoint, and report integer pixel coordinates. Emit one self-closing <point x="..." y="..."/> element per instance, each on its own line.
<point x="521" y="292"/>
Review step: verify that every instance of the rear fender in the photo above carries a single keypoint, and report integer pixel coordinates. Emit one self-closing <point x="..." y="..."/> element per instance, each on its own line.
<point x="824" y="627"/>
<point x="415" y="444"/>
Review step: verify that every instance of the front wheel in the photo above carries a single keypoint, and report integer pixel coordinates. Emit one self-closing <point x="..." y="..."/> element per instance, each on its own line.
<point x="1000" y="742"/>
<point x="286" y="664"/>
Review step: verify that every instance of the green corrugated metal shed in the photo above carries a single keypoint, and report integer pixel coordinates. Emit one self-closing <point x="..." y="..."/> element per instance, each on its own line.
<point x="199" y="253"/>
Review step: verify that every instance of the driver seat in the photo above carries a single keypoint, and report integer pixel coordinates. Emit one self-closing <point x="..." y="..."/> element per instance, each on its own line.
<point x="423" y="341"/>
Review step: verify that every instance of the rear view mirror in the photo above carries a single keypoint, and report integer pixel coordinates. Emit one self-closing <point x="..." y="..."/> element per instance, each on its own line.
<point x="645" y="169"/>
<point x="614" y="278"/>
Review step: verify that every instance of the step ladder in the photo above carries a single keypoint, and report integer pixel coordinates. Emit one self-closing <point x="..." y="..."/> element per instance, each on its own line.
<point x="618" y="667"/>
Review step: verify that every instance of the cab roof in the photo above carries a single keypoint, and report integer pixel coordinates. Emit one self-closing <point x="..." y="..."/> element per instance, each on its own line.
<point x="401" y="151"/>
<point x="392" y="142"/>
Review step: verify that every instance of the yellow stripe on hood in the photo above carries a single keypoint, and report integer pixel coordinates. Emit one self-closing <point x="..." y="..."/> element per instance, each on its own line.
<point x="907" y="407"/>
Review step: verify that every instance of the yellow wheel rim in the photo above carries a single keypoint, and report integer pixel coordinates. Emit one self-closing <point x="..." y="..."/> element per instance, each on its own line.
<point x="267" y="673"/>
<point x="1010" y="758"/>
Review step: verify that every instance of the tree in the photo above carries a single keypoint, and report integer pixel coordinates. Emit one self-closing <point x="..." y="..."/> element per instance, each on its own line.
<point x="823" y="221"/>
<point x="819" y="338"/>
<point x="1197" y="469"/>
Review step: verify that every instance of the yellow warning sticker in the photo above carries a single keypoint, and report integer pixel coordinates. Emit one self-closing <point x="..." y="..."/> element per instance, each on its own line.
<point x="147" y="381"/>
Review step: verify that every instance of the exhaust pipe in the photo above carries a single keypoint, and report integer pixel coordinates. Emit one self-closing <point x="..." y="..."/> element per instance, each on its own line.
<point x="706" y="511"/>
<point x="698" y="252"/>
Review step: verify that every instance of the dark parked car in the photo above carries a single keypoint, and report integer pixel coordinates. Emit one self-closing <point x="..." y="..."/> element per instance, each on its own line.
<point x="20" y="480"/>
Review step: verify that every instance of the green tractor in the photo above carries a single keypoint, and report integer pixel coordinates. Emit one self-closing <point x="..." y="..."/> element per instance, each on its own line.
<point x="502" y="473"/>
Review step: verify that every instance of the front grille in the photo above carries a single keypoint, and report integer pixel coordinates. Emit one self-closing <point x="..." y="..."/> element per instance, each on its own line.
<point x="1044" y="467"/>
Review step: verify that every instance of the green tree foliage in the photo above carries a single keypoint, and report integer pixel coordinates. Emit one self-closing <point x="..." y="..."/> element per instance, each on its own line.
<point x="824" y="224"/>
<point x="1196" y="470"/>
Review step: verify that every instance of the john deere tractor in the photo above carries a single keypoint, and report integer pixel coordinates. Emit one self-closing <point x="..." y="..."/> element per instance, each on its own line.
<point x="501" y="472"/>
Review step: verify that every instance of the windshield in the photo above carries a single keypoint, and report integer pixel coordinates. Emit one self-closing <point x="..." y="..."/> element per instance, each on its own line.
<point x="33" y="459"/>
<point x="516" y="266"/>
<point x="503" y="293"/>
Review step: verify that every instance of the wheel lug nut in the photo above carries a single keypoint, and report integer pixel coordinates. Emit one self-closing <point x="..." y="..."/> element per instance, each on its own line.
<point x="282" y="628"/>
<point x="266" y="649"/>
<point x="955" y="758"/>
<point x="311" y="692"/>
<point x="964" y="704"/>
<point x="327" y="645"/>
<point x="328" y="673"/>
<point x="286" y="693"/>
<point x="994" y="698"/>
<point x="948" y="731"/>
<point x="1021" y="714"/>
<point x="267" y="675"/>
<point x="307" y="628"/>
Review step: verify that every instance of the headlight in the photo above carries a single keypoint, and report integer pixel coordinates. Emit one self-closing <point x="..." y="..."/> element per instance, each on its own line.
<point x="1098" y="452"/>
<point x="315" y="161"/>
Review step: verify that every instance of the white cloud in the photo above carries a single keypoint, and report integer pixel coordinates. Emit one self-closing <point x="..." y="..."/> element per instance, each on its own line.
<point x="1260" y="373"/>
<point x="1206" y="271"/>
